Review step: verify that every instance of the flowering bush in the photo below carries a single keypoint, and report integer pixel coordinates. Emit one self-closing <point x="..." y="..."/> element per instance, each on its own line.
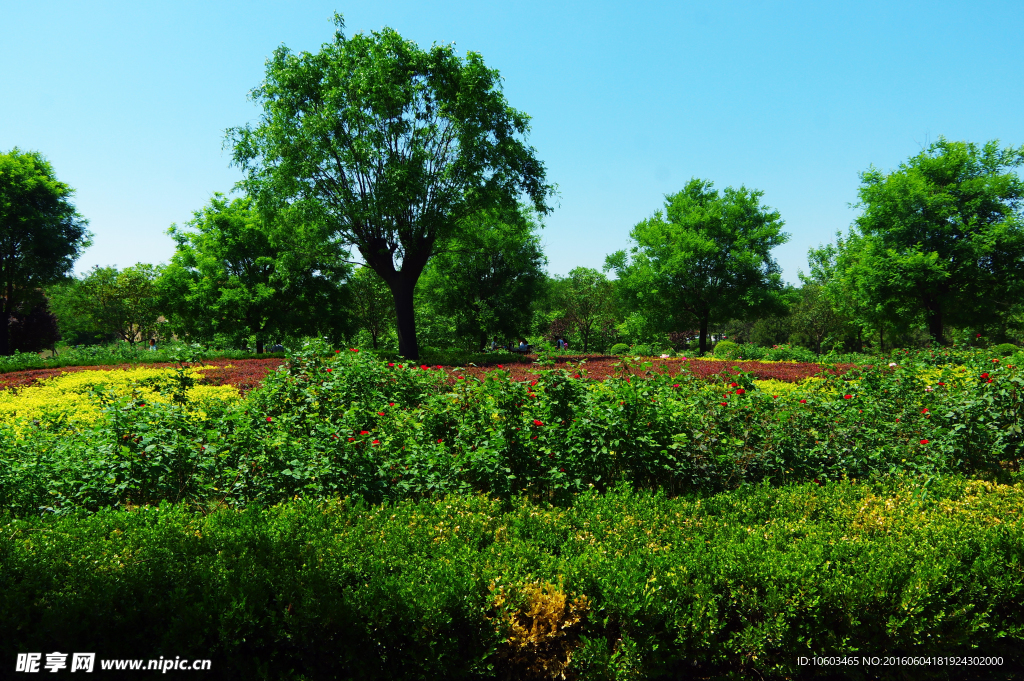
<point x="334" y="424"/>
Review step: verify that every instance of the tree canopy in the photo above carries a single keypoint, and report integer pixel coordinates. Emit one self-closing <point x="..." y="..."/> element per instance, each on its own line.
<point x="41" y="233"/>
<point x="943" y="234"/>
<point x="489" y="275"/>
<point x="238" y="274"/>
<point x="705" y="258"/>
<point x="390" y="146"/>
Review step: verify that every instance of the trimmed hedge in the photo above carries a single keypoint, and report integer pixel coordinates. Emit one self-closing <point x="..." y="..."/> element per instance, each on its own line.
<point x="627" y="585"/>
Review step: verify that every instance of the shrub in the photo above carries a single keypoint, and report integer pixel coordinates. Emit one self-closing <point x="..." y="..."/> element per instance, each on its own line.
<point x="726" y="349"/>
<point x="787" y="353"/>
<point x="733" y="586"/>
<point x="641" y="350"/>
<point x="1003" y="349"/>
<point x="619" y="349"/>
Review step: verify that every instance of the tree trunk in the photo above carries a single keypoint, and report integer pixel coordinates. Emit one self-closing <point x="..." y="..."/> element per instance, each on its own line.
<point x="406" y="318"/>
<point x="935" y="324"/>
<point x="704" y="321"/>
<point x="259" y="346"/>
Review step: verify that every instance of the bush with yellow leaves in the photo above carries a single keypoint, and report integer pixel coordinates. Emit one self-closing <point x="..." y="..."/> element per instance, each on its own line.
<point x="541" y="625"/>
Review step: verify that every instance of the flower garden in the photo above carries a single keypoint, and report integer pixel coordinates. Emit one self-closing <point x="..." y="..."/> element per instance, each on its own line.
<point x="343" y="516"/>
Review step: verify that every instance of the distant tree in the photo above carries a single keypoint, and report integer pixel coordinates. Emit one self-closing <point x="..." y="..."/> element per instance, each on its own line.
<point x="392" y="146"/>
<point x="236" y="273"/>
<point x="113" y="304"/>
<point x="489" y="276"/>
<point x="944" y="233"/>
<point x="706" y="258"/>
<point x="587" y="302"/>
<point x="41" y="234"/>
<point x="373" y="308"/>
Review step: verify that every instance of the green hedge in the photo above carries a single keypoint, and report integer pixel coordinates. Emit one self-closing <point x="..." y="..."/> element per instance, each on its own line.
<point x="733" y="586"/>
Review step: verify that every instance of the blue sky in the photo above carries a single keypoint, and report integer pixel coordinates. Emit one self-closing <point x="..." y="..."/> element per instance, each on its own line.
<point x="130" y="100"/>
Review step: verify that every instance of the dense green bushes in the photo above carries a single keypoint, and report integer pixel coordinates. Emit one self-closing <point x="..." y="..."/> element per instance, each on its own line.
<point x="351" y="425"/>
<point x="732" y="586"/>
<point x="114" y="354"/>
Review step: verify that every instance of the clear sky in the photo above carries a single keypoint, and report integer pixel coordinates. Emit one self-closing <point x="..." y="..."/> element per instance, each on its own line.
<point x="130" y="100"/>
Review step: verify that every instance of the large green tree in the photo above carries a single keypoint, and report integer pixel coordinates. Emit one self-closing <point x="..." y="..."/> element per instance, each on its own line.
<point x="944" y="233"/>
<point x="41" y="233"/>
<point x="391" y="146"/>
<point x="237" y="273"/>
<point x="488" y="277"/>
<point x="705" y="258"/>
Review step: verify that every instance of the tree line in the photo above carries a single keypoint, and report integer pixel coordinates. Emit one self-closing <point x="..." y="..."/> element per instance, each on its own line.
<point x="389" y="194"/>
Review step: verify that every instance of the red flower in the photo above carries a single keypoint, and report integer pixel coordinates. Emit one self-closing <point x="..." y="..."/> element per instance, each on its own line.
<point x="351" y="439"/>
<point x="925" y="410"/>
<point x="775" y="397"/>
<point x="977" y="335"/>
<point x="354" y="349"/>
<point x="803" y="401"/>
<point x="329" y="370"/>
<point x="391" y="404"/>
<point x="400" y="366"/>
<point x="334" y="436"/>
<point x="723" y="404"/>
<point x="423" y="366"/>
<point x="439" y="440"/>
<point x="142" y="404"/>
<point x="391" y="364"/>
<point x="375" y="442"/>
<point x="364" y="432"/>
<point x="269" y="419"/>
<point x="740" y="391"/>
<point x="380" y="413"/>
<point x="561" y="470"/>
<point x="985" y="375"/>
<point x="941" y="383"/>
<point x="847" y="397"/>
<point x="924" y="442"/>
<point x="575" y="375"/>
<point x="733" y="385"/>
<point x="534" y="382"/>
<point x="538" y="423"/>
<point x="675" y="385"/>
<point x="500" y="367"/>
<point x="337" y="351"/>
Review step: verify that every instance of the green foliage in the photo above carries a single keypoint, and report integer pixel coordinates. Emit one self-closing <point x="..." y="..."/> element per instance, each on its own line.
<point x="373" y="308"/>
<point x="112" y="354"/>
<point x="705" y="259"/>
<point x="388" y="148"/>
<point x="41" y="234"/>
<point x="240" y="273"/>
<point x="488" y="277"/>
<point x="943" y="235"/>
<point x="727" y="349"/>
<point x="619" y="349"/>
<point x="641" y="350"/>
<point x="737" y="585"/>
<point x="349" y="424"/>
<point x="587" y="304"/>
<point x="788" y="353"/>
<point x="1003" y="349"/>
<point x="105" y="303"/>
